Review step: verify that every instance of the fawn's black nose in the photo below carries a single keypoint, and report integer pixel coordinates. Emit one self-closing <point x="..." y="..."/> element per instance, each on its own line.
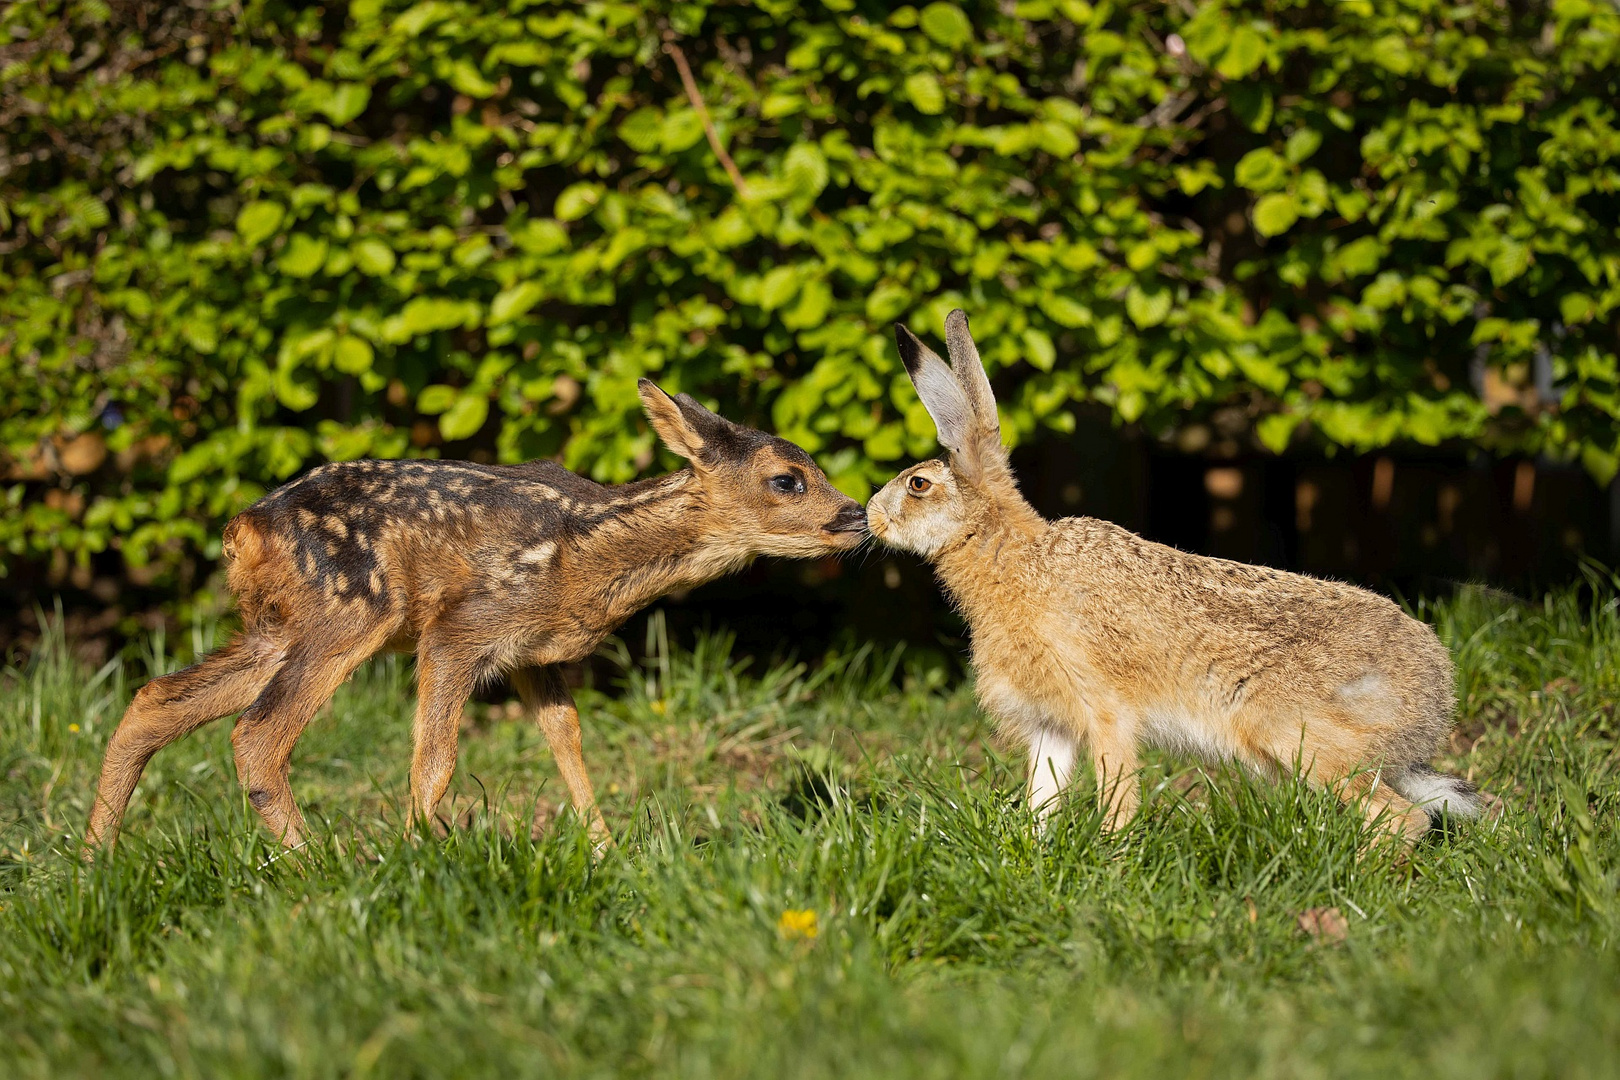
<point x="851" y="518"/>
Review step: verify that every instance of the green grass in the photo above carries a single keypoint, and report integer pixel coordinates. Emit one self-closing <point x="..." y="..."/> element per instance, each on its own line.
<point x="950" y="940"/>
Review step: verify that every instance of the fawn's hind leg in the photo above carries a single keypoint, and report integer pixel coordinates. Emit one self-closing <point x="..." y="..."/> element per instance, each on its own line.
<point x="169" y="707"/>
<point x="269" y="728"/>
<point x="545" y="697"/>
<point x="444" y="682"/>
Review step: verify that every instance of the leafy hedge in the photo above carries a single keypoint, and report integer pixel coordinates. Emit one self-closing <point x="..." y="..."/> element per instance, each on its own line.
<point x="243" y="237"/>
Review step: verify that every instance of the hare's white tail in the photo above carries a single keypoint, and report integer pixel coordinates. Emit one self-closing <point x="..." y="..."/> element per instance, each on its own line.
<point x="1443" y="796"/>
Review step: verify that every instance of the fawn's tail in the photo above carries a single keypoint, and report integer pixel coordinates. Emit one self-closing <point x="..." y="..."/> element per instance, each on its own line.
<point x="1442" y="795"/>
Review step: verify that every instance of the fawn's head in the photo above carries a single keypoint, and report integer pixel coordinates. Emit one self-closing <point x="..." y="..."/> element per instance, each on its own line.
<point x="933" y="504"/>
<point x="770" y="494"/>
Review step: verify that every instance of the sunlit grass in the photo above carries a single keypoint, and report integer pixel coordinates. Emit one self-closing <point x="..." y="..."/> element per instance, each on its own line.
<point x="859" y="796"/>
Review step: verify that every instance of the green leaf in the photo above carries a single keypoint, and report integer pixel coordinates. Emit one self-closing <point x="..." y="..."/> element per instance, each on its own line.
<point x="303" y="256"/>
<point x="1038" y="348"/>
<point x="1359" y="257"/>
<point x="1302" y="144"/>
<point x="1147" y="308"/>
<point x="352" y="355"/>
<point x="463" y="419"/>
<point x="1275" y="213"/>
<point x="1275" y="431"/>
<point x="436" y="399"/>
<point x="1390" y="52"/>
<point x="642" y="130"/>
<point x="296" y="389"/>
<point x="946" y="24"/>
<point x="465" y="77"/>
<point x="510" y="303"/>
<point x="426" y="314"/>
<point x="778" y="286"/>
<point x="1261" y="170"/>
<point x="805" y="169"/>
<point x="1575" y="308"/>
<point x="1511" y="259"/>
<point x="681" y="130"/>
<point x="1603" y="464"/>
<point x="886" y="443"/>
<point x="815" y="300"/>
<point x="1064" y="310"/>
<point x="258" y="221"/>
<point x="925" y="94"/>
<point x="576" y="200"/>
<point x="373" y="257"/>
<point x="1244" y="52"/>
<point x="201" y="334"/>
<point x="886" y="302"/>
<point x="344" y="102"/>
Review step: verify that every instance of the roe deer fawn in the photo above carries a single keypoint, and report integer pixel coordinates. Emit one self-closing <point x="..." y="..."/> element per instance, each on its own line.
<point x="478" y="569"/>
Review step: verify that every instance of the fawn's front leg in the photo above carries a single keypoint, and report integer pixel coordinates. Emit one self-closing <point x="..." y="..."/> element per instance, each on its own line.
<point x="545" y="697"/>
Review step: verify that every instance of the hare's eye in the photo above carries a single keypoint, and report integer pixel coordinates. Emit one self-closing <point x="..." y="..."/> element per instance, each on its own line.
<point x="919" y="484"/>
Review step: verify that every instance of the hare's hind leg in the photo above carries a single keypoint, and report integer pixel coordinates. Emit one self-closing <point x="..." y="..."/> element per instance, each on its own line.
<point x="1385" y="809"/>
<point x="1333" y="751"/>
<point x="168" y="708"/>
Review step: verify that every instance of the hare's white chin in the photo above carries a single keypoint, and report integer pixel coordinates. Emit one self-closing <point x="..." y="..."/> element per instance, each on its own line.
<point x="920" y="530"/>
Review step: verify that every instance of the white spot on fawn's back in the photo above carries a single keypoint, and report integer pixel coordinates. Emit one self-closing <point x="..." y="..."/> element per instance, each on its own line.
<point x="539" y="555"/>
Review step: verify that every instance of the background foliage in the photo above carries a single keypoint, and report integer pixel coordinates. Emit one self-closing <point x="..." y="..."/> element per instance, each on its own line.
<point x="239" y="238"/>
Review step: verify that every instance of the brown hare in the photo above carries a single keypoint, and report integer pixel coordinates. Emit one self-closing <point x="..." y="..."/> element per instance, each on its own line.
<point x="479" y="570"/>
<point x="1085" y="634"/>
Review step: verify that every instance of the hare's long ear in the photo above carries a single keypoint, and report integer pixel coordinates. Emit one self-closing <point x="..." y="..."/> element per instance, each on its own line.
<point x="969" y="371"/>
<point x="942" y="395"/>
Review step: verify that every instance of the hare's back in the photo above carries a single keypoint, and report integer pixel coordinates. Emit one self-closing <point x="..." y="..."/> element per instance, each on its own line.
<point x="1175" y="601"/>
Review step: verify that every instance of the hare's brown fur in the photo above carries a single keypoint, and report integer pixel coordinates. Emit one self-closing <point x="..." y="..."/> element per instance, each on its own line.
<point x="477" y="569"/>
<point x="1084" y="634"/>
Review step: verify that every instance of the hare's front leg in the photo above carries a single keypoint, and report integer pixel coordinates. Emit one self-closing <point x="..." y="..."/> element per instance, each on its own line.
<point x="1051" y="764"/>
<point x="1113" y="759"/>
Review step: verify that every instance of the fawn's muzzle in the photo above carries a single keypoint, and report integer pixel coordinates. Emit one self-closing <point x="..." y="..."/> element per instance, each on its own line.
<point x="851" y="519"/>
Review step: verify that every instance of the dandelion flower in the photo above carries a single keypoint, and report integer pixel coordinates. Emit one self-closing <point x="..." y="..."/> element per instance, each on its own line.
<point x="797" y="925"/>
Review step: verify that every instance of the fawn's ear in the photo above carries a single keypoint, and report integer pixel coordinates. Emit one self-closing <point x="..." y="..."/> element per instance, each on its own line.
<point x="941" y="393"/>
<point x="969" y="371"/>
<point x="686" y="427"/>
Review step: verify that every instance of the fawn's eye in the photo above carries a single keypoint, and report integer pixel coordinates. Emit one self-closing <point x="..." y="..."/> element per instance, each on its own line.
<point x="787" y="484"/>
<point x="919" y="484"/>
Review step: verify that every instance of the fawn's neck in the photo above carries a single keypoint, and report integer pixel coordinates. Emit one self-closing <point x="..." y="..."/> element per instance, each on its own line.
<point x="650" y="538"/>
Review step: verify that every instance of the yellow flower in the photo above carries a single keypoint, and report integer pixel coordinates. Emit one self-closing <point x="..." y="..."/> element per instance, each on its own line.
<point x="658" y="707"/>
<point x="73" y="728"/>
<point x="794" y="925"/>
